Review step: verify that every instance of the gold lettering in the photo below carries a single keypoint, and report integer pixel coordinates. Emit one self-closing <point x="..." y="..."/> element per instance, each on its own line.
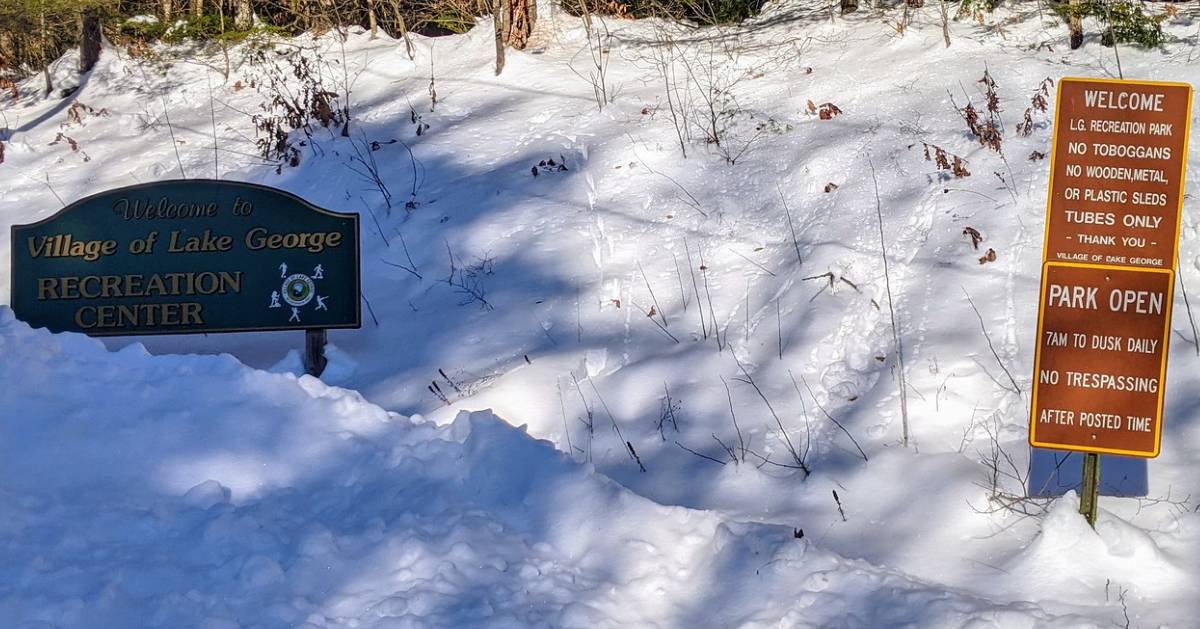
<point x="314" y="242"/>
<point x="191" y="314"/>
<point x="127" y="315"/>
<point x="155" y="286"/>
<point x="79" y="317"/>
<point x="47" y="288"/>
<point x="170" y="314"/>
<point x="253" y="242"/>
<point x="231" y="281"/>
<point x="111" y="286"/>
<point x="70" y="288"/>
<point x="41" y="248"/>
<point x="206" y="283"/>
<point x="83" y="287"/>
<point x="105" y="316"/>
<point x="133" y="286"/>
<point x="174" y="279"/>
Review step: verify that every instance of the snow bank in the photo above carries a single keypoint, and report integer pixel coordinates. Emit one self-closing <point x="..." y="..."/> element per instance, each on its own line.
<point x="193" y="491"/>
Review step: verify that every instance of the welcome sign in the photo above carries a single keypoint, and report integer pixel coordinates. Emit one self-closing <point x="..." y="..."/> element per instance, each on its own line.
<point x="1117" y="173"/>
<point x="187" y="256"/>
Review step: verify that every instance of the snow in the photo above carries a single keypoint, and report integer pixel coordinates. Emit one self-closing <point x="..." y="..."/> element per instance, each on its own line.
<point x="201" y="481"/>
<point x="304" y="505"/>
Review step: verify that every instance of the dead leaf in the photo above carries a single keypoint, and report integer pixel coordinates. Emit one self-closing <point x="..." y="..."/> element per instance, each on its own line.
<point x="828" y="111"/>
<point x="990" y="256"/>
<point x="976" y="237"/>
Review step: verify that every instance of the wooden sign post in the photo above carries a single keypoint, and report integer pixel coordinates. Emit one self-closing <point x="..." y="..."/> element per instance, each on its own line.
<point x="1108" y="270"/>
<point x="190" y="256"/>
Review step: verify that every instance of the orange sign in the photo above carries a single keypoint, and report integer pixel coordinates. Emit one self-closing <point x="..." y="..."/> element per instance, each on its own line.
<point x="1116" y="172"/>
<point x="1112" y="238"/>
<point x="1101" y="362"/>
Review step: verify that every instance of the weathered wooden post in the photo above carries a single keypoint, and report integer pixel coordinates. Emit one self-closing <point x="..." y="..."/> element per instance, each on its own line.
<point x="1090" y="495"/>
<point x="314" y="352"/>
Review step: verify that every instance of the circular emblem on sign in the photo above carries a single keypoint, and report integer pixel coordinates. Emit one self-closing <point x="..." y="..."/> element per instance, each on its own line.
<point x="298" y="289"/>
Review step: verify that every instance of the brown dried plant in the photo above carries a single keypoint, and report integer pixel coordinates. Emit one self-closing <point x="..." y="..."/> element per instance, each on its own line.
<point x="1039" y="103"/>
<point x="945" y="160"/>
<point x="976" y="237"/>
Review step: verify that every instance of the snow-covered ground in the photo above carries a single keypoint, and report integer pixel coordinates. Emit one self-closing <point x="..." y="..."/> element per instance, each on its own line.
<point x="141" y="486"/>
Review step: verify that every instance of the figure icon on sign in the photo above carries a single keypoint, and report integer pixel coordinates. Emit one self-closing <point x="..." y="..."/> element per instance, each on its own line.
<point x="299" y="291"/>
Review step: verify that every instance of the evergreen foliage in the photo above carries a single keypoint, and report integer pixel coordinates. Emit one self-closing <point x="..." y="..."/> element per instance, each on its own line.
<point x="1126" y="21"/>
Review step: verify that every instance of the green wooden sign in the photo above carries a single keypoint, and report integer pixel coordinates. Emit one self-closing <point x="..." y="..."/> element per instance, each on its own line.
<point x="187" y="256"/>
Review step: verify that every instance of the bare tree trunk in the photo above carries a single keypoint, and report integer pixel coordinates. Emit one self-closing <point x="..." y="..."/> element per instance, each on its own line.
<point x="42" y="39"/>
<point x="371" y="19"/>
<point x="499" y="9"/>
<point x="1076" y="25"/>
<point x="168" y="9"/>
<point x="945" y="11"/>
<point x="89" y="40"/>
<point x="399" y="17"/>
<point x="243" y="15"/>
<point x="197" y="8"/>
<point x="224" y="43"/>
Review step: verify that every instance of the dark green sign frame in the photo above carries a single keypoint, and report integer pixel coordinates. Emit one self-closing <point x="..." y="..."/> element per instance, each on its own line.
<point x="185" y="257"/>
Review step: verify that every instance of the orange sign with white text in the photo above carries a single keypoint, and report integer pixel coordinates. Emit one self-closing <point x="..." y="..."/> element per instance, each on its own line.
<point x="1112" y="233"/>
<point x="1116" y="172"/>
